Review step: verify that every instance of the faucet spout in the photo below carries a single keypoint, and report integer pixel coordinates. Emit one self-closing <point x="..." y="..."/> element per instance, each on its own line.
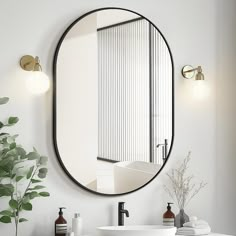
<point x="126" y="212"/>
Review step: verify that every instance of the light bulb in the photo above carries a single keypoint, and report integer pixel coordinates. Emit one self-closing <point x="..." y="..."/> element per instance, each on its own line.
<point x="37" y="82"/>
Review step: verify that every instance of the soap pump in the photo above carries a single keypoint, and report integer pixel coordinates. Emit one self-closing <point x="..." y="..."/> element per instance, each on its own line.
<point x="60" y="224"/>
<point x="77" y="224"/>
<point x="169" y="216"/>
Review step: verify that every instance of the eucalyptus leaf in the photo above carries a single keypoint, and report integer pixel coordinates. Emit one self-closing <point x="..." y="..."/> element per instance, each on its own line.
<point x="27" y="206"/>
<point x="12" y="145"/>
<point x="34" y="181"/>
<point x="9" y="166"/>
<point x="15" y="136"/>
<point x="6" y="190"/>
<point x="37" y="187"/>
<point x="22" y="220"/>
<point x="12" y="152"/>
<point x="13" y="204"/>
<point x="21" y="152"/>
<point x="12" y="120"/>
<point x="13" y="176"/>
<point x="6" y="213"/>
<point x="10" y="140"/>
<point x="44" y="194"/>
<point x="18" y="178"/>
<point x="43" y="170"/>
<point x="33" y="195"/>
<point x="42" y="175"/>
<point x="4" y="193"/>
<point x="4" y="151"/>
<point x="1" y="125"/>
<point x="33" y="156"/>
<point x="43" y="160"/>
<point x="26" y="199"/>
<point x="30" y="172"/>
<point x="5" y="219"/>
<point x="4" y="161"/>
<point x="3" y="138"/>
<point x="4" y="100"/>
<point x="3" y="173"/>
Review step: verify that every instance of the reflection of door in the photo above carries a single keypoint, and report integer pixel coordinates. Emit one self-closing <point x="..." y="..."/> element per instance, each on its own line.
<point x="132" y="56"/>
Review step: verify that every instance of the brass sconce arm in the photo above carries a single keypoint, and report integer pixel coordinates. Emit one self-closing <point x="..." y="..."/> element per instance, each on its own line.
<point x="189" y="72"/>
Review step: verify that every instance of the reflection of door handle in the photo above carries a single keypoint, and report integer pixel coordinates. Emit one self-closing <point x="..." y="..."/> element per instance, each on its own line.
<point x="164" y="149"/>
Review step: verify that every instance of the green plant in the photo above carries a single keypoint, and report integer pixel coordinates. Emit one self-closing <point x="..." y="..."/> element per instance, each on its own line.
<point x="20" y="175"/>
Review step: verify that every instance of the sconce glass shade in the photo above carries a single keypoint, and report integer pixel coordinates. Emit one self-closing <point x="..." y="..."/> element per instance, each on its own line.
<point x="37" y="82"/>
<point x="200" y="90"/>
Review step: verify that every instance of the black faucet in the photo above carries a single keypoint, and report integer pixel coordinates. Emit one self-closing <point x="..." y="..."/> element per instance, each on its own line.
<point x="121" y="212"/>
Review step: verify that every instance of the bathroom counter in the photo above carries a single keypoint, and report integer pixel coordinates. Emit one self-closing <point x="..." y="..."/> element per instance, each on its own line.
<point x="211" y="234"/>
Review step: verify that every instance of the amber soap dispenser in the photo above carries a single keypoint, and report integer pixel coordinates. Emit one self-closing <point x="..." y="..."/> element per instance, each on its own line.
<point x="60" y="224"/>
<point x="169" y="216"/>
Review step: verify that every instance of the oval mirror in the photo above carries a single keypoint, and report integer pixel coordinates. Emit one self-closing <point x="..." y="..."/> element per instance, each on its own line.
<point x="113" y="101"/>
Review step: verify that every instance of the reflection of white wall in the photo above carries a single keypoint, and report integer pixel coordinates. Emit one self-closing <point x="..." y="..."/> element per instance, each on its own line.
<point x="132" y="175"/>
<point x="105" y="182"/>
<point x="108" y="17"/>
<point x="77" y="111"/>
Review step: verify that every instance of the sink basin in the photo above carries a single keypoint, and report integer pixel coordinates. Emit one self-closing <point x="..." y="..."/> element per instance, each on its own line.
<point x="137" y="230"/>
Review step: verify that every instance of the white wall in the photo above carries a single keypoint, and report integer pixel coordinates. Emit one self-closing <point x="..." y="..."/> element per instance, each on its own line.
<point x="106" y="18"/>
<point x="226" y="113"/>
<point x="191" y="28"/>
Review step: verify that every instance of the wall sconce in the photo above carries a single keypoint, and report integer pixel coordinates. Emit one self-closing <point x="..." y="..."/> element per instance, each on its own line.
<point x="37" y="81"/>
<point x="189" y="72"/>
<point x="199" y="88"/>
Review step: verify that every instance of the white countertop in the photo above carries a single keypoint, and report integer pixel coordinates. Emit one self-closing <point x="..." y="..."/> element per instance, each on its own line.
<point x="211" y="234"/>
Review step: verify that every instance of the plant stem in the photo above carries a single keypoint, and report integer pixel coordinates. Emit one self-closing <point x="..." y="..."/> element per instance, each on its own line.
<point x="15" y="211"/>
<point x="30" y="181"/>
<point x="16" y="222"/>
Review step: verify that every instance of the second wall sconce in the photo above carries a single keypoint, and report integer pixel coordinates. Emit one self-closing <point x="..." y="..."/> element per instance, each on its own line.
<point x="37" y="81"/>
<point x="189" y="72"/>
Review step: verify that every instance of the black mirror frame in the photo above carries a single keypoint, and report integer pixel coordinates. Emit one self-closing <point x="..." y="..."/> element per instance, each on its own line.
<point x="55" y="111"/>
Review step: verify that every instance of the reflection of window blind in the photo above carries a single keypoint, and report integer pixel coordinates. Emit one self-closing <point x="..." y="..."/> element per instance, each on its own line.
<point x="124" y="92"/>
<point x="161" y="70"/>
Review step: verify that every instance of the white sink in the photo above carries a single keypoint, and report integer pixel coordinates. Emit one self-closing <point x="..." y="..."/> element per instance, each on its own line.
<point x="137" y="230"/>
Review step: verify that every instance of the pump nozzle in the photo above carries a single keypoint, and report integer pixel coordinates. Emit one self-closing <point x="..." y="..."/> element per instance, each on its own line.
<point x="61" y="212"/>
<point x="169" y="205"/>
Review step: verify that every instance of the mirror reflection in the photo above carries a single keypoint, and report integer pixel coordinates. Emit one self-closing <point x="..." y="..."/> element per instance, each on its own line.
<point x="113" y="98"/>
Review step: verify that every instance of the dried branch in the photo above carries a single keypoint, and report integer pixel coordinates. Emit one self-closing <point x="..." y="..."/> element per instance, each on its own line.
<point x="181" y="189"/>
